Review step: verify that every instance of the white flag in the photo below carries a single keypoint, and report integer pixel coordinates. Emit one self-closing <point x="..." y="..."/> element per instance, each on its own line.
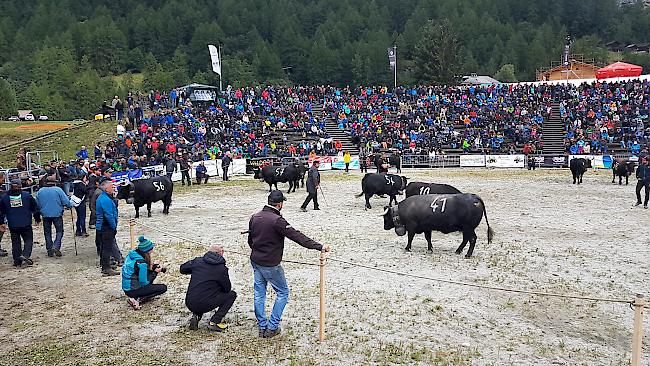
<point x="216" y="61"/>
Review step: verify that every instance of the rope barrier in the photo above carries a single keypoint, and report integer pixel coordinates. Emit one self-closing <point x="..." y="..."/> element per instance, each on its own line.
<point x="459" y="283"/>
<point x="505" y="289"/>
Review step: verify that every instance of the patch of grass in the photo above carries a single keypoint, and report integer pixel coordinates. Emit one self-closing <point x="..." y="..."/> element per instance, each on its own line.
<point x="40" y="354"/>
<point x="65" y="143"/>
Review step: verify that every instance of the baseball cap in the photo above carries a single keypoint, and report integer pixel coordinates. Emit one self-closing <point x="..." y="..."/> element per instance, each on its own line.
<point x="276" y="197"/>
<point x="16" y="182"/>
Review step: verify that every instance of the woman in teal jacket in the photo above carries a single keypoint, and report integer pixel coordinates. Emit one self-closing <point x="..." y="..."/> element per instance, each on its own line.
<point x="138" y="274"/>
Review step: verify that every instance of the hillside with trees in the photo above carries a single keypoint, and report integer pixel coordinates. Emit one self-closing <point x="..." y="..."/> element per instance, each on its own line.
<point x="60" y="57"/>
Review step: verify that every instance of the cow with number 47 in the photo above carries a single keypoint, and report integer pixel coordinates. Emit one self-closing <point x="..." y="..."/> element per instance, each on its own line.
<point x="142" y="192"/>
<point x="445" y="213"/>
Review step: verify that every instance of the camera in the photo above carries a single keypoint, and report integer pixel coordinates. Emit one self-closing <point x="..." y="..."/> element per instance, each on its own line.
<point x="162" y="269"/>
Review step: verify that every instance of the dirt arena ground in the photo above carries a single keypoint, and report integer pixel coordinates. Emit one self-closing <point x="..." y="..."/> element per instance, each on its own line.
<point x="550" y="236"/>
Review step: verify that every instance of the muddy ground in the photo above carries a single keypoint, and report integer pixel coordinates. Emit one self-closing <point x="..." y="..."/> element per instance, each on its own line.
<point x="550" y="236"/>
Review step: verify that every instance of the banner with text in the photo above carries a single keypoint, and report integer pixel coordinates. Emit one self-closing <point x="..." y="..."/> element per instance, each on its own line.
<point x="472" y="161"/>
<point x="505" y="161"/>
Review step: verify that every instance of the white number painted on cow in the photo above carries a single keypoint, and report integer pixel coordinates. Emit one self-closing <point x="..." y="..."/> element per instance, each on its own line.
<point x="279" y="171"/>
<point x="434" y="204"/>
<point x="389" y="180"/>
<point x="424" y="190"/>
<point x="159" y="186"/>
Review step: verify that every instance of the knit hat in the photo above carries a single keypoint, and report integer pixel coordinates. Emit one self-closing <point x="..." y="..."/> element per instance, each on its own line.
<point x="144" y="245"/>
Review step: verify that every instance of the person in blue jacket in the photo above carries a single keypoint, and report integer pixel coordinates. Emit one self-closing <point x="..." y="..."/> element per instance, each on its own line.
<point x="18" y="206"/>
<point x="106" y="226"/>
<point x="51" y="203"/>
<point x="138" y="274"/>
<point x="643" y="175"/>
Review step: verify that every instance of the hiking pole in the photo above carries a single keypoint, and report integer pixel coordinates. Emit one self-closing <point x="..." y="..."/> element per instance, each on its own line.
<point x="323" y="193"/>
<point x="74" y="235"/>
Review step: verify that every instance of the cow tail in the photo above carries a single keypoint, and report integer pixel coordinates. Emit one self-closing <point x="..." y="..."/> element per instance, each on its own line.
<point x="490" y="232"/>
<point x="362" y="184"/>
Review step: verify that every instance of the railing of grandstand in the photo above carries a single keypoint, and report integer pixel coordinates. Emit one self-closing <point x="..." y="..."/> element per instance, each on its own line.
<point x="427" y="161"/>
<point x="37" y="157"/>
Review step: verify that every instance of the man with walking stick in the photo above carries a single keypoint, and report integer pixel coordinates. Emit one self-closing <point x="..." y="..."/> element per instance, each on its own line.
<point x="266" y="232"/>
<point x="313" y="183"/>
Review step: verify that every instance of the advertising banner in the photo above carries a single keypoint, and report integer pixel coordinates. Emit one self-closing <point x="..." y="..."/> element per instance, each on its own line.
<point x="337" y="163"/>
<point x="596" y="161"/>
<point x="251" y="164"/>
<point x="472" y="161"/>
<point x="325" y="162"/>
<point x="505" y="161"/>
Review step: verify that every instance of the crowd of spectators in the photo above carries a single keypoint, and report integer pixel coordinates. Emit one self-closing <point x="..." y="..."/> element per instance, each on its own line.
<point x="495" y="118"/>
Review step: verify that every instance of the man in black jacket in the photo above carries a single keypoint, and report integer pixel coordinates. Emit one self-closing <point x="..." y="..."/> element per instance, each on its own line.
<point x="313" y="182"/>
<point x="266" y="232"/>
<point x="225" y="165"/>
<point x="18" y="207"/>
<point x="170" y="167"/>
<point x="209" y="288"/>
<point x="186" y="164"/>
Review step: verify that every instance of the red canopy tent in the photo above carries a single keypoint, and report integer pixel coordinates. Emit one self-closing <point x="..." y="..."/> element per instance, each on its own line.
<point x="618" y="69"/>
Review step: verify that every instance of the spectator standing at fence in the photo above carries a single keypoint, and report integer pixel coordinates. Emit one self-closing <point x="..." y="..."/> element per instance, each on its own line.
<point x="185" y="170"/>
<point x="643" y="175"/>
<point x="51" y="203"/>
<point x="346" y="161"/>
<point x="106" y="226"/>
<point x="80" y="199"/>
<point x="209" y="288"/>
<point x="266" y="232"/>
<point x="313" y="183"/>
<point x="138" y="274"/>
<point x="18" y="207"/>
<point x="225" y="165"/>
<point x="201" y="173"/>
<point x="170" y="166"/>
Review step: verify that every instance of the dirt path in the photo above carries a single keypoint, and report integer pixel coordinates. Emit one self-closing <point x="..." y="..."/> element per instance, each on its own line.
<point x="550" y="236"/>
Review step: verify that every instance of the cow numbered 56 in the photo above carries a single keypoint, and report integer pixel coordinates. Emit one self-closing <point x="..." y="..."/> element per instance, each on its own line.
<point x="142" y="192"/>
<point x="381" y="184"/>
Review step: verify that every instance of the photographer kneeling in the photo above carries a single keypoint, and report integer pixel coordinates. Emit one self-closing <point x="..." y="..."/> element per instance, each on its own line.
<point x="209" y="288"/>
<point x="138" y="274"/>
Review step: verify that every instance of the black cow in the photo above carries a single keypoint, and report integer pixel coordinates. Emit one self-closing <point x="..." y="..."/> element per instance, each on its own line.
<point x="446" y="213"/>
<point x="142" y="192"/>
<point x="622" y="168"/>
<point x="273" y="175"/>
<point x="421" y="188"/>
<point x="301" y="171"/>
<point x="381" y="184"/>
<point x="578" y="167"/>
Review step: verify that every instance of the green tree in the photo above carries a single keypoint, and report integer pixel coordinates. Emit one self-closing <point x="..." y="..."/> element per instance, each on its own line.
<point x="437" y="54"/>
<point x="8" y="103"/>
<point x="506" y="74"/>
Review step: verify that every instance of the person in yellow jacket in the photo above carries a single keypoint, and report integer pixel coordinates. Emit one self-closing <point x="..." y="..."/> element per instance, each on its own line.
<point x="346" y="160"/>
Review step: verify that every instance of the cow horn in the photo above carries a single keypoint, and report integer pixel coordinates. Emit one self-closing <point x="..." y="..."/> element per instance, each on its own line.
<point x="385" y="212"/>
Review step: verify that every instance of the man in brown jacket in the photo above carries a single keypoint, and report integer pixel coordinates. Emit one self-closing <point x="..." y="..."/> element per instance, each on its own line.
<point x="266" y="232"/>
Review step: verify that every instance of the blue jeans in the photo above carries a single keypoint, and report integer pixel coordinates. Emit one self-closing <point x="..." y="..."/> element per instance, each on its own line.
<point x="262" y="276"/>
<point x="47" y="230"/>
<point x="80" y="227"/>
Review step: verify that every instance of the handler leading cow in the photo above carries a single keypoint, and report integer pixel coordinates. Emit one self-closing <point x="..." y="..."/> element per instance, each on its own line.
<point x="446" y="213"/>
<point x="142" y="192"/>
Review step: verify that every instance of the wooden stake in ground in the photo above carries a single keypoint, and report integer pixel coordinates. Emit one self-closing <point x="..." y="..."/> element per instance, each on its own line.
<point x="132" y="232"/>
<point x="321" y="329"/>
<point x="637" y="337"/>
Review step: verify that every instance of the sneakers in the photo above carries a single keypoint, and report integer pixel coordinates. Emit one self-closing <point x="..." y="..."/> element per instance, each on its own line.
<point x="50" y="253"/>
<point x="27" y="261"/>
<point x="316" y="209"/>
<point x="92" y="227"/>
<point x="3" y="253"/>
<point x="109" y="272"/>
<point x="270" y="333"/>
<point x="637" y="204"/>
<point x="217" y="327"/>
<point x="57" y="252"/>
<point x="262" y="333"/>
<point x="134" y="303"/>
<point x="194" y="322"/>
<point x="303" y="209"/>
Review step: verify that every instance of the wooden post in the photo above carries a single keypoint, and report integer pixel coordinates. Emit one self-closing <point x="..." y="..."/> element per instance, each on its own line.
<point x="321" y="328"/>
<point x="637" y="337"/>
<point x="132" y="232"/>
